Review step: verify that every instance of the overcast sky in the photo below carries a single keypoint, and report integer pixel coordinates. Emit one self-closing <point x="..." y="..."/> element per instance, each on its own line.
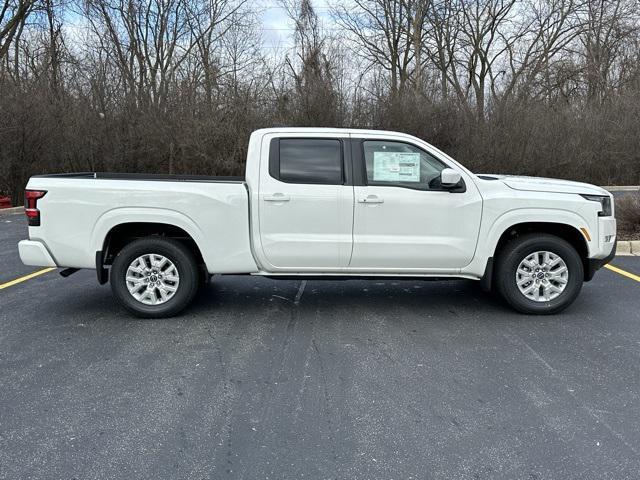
<point x="277" y="29"/>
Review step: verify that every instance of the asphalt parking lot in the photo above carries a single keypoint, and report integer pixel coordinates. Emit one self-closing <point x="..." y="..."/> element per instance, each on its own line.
<point x="265" y="379"/>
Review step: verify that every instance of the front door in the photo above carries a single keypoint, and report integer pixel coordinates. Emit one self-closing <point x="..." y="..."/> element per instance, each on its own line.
<point x="404" y="219"/>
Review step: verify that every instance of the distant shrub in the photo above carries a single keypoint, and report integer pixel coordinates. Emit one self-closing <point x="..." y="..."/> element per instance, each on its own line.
<point x="628" y="216"/>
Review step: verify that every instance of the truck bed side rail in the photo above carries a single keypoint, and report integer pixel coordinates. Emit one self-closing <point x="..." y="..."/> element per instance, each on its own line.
<point x="144" y="177"/>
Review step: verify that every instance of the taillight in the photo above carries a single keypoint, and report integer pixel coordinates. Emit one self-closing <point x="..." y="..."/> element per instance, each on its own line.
<point x="31" y="206"/>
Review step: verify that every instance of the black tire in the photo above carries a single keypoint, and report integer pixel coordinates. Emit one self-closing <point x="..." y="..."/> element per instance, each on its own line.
<point x="173" y="250"/>
<point x="518" y="249"/>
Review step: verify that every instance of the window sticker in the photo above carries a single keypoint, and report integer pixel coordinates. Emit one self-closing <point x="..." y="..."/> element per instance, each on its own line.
<point x="396" y="167"/>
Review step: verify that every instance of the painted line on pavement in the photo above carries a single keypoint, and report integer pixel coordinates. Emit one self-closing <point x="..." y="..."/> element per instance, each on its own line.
<point x="25" y="278"/>
<point x="624" y="273"/>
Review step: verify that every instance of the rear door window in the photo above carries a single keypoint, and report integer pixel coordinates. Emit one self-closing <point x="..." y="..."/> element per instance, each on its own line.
<point x="310" y="160"/>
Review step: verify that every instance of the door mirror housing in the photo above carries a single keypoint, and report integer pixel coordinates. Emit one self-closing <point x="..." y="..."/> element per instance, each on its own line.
<point x="450" y="178"/>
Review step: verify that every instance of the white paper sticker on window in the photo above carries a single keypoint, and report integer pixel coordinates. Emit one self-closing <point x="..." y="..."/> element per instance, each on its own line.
<point x="396" y="167"/>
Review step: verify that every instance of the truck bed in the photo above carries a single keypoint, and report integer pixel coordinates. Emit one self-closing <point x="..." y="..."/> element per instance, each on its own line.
<point x="144" y="176"/>
<point x="80" y="209"/>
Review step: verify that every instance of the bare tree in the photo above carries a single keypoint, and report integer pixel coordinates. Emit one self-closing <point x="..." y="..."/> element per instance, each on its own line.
<point x="389" y="34"/>
<point x="13" y="16"/>
<point x="316" y="101"/>
<point x="608" y="26"/>
<point x="150" y="41"/>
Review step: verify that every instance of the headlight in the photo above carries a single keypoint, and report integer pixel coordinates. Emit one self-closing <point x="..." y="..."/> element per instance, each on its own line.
<point x="605" y="202"/>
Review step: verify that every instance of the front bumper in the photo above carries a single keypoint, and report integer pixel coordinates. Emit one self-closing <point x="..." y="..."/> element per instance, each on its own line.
<point x="35" y="253"/>
<point x="606" y="236"/>
<point x="595" y="264"/>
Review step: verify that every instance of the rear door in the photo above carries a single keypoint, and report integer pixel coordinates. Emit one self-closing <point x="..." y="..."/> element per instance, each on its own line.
<point x="306" y="202"/>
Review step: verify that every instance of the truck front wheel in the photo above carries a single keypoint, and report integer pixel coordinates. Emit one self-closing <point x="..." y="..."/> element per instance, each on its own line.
<point x="539" y="274"/>
<point x="154" y="277"/>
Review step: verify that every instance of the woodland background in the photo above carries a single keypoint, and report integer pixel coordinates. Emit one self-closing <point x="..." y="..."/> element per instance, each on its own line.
<point x="540" y="87"/>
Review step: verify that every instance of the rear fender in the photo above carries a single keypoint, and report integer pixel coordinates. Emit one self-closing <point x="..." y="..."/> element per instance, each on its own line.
<point x="119" y="216"/>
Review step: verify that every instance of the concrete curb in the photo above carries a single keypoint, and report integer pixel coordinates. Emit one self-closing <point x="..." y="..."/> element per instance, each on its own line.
<point x="623" y="248"/>
<point x="11" y="211"/>
<point x="628" y="247"/>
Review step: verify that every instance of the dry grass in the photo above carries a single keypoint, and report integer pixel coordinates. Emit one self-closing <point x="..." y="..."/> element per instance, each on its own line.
<point x="628" y="216"/>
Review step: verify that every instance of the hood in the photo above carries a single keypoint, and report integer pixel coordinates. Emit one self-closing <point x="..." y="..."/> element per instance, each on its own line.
<point x="554" y="185"/>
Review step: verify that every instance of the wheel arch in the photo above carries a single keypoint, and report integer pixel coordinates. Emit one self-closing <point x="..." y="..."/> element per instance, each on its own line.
<point x="124" y="233"/>
<point x="116" y="229"/>
<point x="567" y="232"/>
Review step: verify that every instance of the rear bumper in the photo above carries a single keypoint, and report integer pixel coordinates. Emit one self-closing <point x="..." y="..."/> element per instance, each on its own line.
<point x="35" y="253"/>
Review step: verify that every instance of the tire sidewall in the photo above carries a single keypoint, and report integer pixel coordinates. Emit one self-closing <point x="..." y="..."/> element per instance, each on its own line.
<point x="519" y="249"/>
<point x="176" y="253"/>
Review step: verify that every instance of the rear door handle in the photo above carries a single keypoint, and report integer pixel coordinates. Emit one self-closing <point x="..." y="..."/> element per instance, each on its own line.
<point x="277" y="197"/>
<point x="371" y="199"/>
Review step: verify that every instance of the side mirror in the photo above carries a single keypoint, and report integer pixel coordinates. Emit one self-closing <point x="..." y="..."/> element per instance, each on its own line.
<point x="450" y="178"/>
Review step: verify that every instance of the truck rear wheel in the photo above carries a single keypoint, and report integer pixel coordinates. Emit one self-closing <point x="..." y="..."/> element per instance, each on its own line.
<point x="154" y="277"/>
<point x="539" y="274"/>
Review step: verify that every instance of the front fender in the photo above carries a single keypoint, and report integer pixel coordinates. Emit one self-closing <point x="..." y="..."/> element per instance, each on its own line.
<point x="491" y="232"/>
<point x="537" y="215"/>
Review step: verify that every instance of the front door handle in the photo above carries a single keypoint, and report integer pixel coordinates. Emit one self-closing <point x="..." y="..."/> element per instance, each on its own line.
<point x="277" y="197"/>
<point x="371" y="199"/>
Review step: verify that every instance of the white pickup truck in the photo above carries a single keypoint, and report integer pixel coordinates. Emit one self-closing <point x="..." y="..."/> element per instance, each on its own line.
<point x="323" y="203"/>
